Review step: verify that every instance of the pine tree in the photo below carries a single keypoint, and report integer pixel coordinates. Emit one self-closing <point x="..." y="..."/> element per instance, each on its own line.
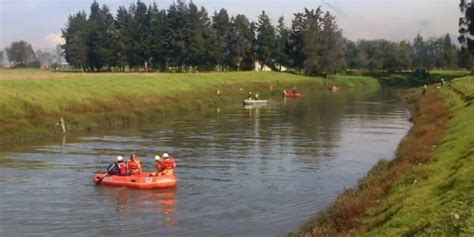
<point x="266" y="40"/>
<point x="312" y="41"/>
<point x="221" y="29"/>
<point x="331" y="54"/>
<point x="240" y="42"/>
<point x="295" y="42"/>
<point x="176" y="24"/>
<point x="157" y="32"/>
<point x="352" y="55"/>
<point x="281" y="51"/>
<point x="420" y="52"/>
<point x="75" y="46"/>
<point x="100" y="29"/>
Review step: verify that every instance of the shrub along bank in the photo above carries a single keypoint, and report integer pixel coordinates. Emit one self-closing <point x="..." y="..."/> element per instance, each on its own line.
<point x="428" y="189"/>
<point x="32" y="104"/>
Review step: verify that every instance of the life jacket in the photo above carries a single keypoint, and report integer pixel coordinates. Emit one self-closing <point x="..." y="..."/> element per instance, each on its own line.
<point x="169" y="164"/>
<point x="134" y="166"/>
<point x="159" y="166"/>
<point x="122" y="168"/>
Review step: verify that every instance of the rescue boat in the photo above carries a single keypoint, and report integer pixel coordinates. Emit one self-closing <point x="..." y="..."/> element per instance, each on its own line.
<point x="145" y="180"/>
<point x="255" y="102"/>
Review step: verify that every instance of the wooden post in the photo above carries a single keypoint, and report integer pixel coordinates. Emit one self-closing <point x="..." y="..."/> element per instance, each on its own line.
<point x="63" y="125"/>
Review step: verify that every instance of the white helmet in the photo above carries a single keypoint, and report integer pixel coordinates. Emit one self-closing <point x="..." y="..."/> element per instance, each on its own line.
<point x="165" y="155"/>
<point x="119" y="158"/>
<point x="157" y="157"/>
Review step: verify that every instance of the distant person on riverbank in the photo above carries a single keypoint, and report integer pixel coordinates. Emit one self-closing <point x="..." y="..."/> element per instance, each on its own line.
<point x="134" y="165"/>
<point x="425" y="88"/>
<point x="167" y="165"/>
<point x="334" y="88"/>
<point x="443" y="82"/>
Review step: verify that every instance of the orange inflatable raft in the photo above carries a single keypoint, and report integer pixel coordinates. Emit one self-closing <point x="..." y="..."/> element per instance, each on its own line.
<point x="145" y="180"/>
<point x="292" y="95"/>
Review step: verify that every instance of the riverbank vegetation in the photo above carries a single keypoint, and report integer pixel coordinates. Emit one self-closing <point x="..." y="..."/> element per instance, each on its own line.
<point x="31" y="107"/>
<point x="428" y="188"/>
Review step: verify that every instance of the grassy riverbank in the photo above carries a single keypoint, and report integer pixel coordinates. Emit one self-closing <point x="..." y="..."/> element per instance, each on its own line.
<point x="428" y="189"/>
<point x="33" y="101"/>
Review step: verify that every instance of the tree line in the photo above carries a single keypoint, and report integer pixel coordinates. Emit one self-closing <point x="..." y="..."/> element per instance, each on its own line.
<point x="383" y="55"/>
<point x="185" y="38"/>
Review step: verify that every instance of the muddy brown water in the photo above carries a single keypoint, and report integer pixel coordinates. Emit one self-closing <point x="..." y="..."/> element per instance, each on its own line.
<point x="242" y="171"/>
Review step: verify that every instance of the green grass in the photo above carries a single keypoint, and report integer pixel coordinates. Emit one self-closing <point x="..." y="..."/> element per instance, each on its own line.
<point x="428" y="190"/>
<point x="31" y="103"/>
<point x="441" y="203"/>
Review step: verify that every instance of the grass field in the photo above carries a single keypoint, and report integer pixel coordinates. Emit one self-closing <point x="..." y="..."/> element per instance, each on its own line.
<point x="32" y="101"/>
<point x="428" y="190"/>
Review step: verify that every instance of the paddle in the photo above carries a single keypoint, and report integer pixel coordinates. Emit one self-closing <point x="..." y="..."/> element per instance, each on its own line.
<point x="105" y="175"/>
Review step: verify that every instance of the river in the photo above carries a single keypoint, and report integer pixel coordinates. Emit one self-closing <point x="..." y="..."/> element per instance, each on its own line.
<point x="242" y="172"/>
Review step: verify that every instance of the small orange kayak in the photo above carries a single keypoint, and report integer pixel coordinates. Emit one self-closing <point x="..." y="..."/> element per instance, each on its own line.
<point x="145" y="180"/>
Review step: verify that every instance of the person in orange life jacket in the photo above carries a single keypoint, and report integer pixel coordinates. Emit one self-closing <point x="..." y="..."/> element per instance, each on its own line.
<point x="118" y="168"/>
<point x="158" y="165"/>
<point x="134" y="165"/>
<point x="167" y="164"/>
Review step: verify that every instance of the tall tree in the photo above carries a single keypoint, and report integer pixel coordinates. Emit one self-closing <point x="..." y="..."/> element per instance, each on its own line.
<point x="266" y="40"/>
<point x="352" y="55"/>
<point x="449" y="52"/>
<point x="99" y="37"/>
<point x="296" y="42"/>
<point x="331" y="54"/>
<point x="464" y="59"/>
<point x="420" y="52"/>
<point x="466" y="25"/>
<point x="198" y="34"/>
<point x="157" y="43"/>
<point x="124" y="39"/>
<point x="312" y="41"/>
<point x="370" y="55"/>
<point x="21" y="54"/>
<point x="404" y="55"/>
<point x="240" y="42"/>
<point x="221" y="29"/>
<point x="466" y="28"/>
<point x="177" y="22"/>
<point x="74" y="34"/>
<point x="281" y="50"/>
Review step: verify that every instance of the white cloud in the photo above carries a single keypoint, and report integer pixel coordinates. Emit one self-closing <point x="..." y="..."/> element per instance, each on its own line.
<point x="50" y="41"/>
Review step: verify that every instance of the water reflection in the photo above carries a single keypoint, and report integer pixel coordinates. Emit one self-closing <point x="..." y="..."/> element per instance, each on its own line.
<point x="161" y="203"/>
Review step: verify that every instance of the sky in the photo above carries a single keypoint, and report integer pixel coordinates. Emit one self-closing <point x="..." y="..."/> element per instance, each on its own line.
<point x="39" y="22"/>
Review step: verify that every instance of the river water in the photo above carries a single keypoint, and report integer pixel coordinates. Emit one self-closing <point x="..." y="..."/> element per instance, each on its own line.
<point x="242" y="171"/>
